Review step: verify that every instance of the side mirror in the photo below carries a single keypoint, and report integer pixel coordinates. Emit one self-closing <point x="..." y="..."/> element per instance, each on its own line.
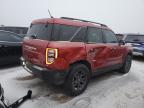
<point x="33" y="36"/>
<point x="121" y="42"/>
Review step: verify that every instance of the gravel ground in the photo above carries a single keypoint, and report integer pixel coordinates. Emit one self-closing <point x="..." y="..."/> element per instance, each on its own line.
<point x="110" y="90"/>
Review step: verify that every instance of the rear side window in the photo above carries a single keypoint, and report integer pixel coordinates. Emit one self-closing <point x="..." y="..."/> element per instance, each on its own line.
<point x="80" y="36"/>
<point x="40" y="31"/>
<point x="9" y="37"/>
<point x="66" y="32"/>
<point x="94" y="35"/>
<point x="110" y="37"/>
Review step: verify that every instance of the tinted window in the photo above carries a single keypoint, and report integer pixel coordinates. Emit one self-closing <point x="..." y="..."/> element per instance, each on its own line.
<point x="134" y="38"/>
<point x="66" y="32"/>
<point x="95" y="35"/>
<point x="41" y="31"/>
<point x="110" y="37"/>
<point x="5" y="36"/>
<point x="80" y="36"/>
<point x="59" y="33"/>
<point x="55" y="34"/>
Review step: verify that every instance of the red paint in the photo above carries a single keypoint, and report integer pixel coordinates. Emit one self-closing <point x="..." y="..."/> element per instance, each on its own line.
<point x="65" y="22"/>
<point x="71" y="52"/>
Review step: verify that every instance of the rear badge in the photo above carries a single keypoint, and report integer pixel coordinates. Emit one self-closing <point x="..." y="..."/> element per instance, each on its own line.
<point x="30" y="48"/>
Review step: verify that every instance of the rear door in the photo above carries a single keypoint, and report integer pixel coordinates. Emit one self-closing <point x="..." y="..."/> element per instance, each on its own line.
<point x="96" y="48"/>
<point x="115" y="53"/>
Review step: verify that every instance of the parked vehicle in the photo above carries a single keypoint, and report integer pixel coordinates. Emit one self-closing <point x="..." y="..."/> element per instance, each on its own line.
<point x="136" y="41"/>
<point x="69" y="51"/>
<point x="10" y="47"/>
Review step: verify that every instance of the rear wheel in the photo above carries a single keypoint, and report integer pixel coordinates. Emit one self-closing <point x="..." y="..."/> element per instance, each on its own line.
<point x="127" y="65"/>
<point x="77" y="80"/>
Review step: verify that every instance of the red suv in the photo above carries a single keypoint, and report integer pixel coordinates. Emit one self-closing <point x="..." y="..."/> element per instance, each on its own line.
<point x="67" y="51"/>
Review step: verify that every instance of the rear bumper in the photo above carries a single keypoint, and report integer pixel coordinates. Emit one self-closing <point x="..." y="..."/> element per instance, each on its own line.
<point x="51" y="76"/>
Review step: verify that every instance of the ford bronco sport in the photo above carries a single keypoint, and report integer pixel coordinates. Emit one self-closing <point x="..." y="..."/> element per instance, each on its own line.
<point x="67" y="51"/>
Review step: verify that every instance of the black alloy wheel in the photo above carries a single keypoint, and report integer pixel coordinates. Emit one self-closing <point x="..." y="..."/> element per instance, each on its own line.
<point x="77" y="80"/>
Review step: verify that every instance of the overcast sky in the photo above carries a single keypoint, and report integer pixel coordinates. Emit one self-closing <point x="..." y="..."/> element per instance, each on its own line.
<point x="123" y="16"/>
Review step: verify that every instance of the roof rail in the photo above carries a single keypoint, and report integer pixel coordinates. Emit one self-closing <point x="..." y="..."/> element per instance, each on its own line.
<point x="83" y="21"/>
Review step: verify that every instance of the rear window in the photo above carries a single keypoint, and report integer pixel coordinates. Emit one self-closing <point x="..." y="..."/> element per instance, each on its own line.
<point x="60" y="32"/>
<point x="40" y="31"/>
<point x="134" y="38"/>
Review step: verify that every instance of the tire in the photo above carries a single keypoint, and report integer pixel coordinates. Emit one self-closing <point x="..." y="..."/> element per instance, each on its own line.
<point x="127" y="65"/>
<point x="77" y="80"/>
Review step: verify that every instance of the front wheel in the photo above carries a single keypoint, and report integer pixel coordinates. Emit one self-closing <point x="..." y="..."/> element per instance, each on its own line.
<point x="127" y="65"/>
<point x="77" y="80"/>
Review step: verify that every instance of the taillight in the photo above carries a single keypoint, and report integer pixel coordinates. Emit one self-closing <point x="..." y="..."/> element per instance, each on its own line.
<point x="51" y="55"/>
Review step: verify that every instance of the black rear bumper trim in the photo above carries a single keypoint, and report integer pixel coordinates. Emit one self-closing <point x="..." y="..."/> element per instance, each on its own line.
<point x="51" y="76"/>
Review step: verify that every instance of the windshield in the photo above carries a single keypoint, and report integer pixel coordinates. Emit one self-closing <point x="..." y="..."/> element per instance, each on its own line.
<point x="135" y="38"/>
<point x="40" y="31"/>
